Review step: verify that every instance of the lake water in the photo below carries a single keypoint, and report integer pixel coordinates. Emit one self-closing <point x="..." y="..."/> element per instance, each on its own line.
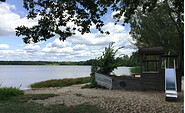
<point x="24" y="75"/>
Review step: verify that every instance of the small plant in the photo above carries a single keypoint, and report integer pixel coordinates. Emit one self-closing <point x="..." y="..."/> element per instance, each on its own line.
<point x="7" y="93"/>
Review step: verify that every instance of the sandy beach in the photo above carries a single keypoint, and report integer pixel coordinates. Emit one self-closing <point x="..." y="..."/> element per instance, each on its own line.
<point x="113" y="101"/>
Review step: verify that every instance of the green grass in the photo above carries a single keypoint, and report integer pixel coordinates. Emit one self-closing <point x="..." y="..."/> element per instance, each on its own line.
<point x="61" y="82"/>
<point x="9" y="92"/>
<point x="135" y="69"/>
<point x="22" y="104"/>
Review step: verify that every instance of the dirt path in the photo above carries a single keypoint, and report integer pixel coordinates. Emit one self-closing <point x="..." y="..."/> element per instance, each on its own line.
<point x="114" y="101"/>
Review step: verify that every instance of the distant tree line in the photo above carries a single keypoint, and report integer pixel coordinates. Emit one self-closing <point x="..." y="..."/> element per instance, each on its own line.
<point x="88" y="62"/>
<point x="123" y="61"/>
<point x="131" y="61"/>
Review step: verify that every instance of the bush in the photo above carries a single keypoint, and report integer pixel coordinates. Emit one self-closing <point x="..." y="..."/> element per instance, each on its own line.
<point x="7" y="93"/>
<point x="135" y="69"/>
<point x="104" y="64"/>
<point x="107" y="62"/>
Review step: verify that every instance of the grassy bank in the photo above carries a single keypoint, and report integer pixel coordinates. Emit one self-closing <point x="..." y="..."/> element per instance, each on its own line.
<point x="22" y="104"/>
<point x="8" y="93"/>
<point x="61" y="82"/>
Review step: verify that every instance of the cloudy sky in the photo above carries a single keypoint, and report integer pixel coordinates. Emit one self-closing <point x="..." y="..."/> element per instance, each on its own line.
<point x="76" y="48"/>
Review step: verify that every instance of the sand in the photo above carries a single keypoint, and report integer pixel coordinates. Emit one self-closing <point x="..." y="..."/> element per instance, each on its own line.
<point x="113" y="101"/>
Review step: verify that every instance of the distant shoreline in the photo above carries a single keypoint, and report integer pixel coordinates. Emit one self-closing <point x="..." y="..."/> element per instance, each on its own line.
<point x="88" y="62"/>
<point x="55" y="63"/>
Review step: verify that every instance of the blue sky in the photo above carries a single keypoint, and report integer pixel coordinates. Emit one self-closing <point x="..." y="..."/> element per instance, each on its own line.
<point x="75" y="48"/>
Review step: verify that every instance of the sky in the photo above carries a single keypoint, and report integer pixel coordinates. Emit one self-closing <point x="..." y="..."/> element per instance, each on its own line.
<point x="76" y="48"/>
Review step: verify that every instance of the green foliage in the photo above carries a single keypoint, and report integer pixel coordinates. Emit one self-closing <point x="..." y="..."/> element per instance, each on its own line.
<point x="94" y="68"/>
<point x="104" y="64"/>
<point x="81" y="13"/>
<point x="159" y="28"/>
<point x="163" y="26"/>
<point x="135" y="69"/>
<point x="7" y="93"/>
<point x="84" y="13"/>
<point x="131" y="61"/>
<point x="107" y="62"/>
<point x="61" y="82"/>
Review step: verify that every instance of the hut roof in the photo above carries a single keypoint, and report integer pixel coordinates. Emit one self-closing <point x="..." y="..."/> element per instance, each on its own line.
<point x="151" y="50"/>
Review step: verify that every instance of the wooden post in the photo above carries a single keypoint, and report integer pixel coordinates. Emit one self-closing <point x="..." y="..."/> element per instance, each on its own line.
<point x="141" y="63"/>
<point x="160" y="63"/>
<point x="144" y="66"/>
<point x="180" y="72"/>
<point x="147" y="63"/>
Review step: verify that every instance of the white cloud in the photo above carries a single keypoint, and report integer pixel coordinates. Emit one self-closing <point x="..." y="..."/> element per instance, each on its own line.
<point x="9" y="20"/>
<point x="4" y="46"/>
<point x="59" y="44"/>
<point x="117" y="34"/>
<point x="31" y="48"/>
<point x="89" y="45"/>
<point x="80" y="47"/>
<point x="76" y="48"/>
<point x="113" y="28"/>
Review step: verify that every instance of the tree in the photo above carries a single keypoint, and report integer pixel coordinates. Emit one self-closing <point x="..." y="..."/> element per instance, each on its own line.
<point x="157" y="28"/>
<point x="55" y="14"/>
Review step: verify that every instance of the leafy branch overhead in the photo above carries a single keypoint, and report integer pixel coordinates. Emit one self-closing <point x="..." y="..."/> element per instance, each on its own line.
<point x="54" y="15"/>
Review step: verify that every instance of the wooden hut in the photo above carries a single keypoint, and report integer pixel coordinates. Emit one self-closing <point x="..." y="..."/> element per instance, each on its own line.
<point x="152" y="76"/>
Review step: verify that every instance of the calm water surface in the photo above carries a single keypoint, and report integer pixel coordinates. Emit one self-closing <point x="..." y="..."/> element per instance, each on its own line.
<point x="24" y="75"/>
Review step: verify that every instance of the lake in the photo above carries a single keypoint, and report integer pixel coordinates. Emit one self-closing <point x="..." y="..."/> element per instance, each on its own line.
<point x="24" y="75"/>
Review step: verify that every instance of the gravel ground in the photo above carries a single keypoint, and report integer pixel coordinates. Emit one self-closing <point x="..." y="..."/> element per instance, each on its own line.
<point x="114" y="101"/>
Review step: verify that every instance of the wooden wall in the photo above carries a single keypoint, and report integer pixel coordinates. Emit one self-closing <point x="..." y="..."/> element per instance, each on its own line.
<point x="152" y="81"/>
<point x="131" y="83"/>
<point x="147" y="81"/>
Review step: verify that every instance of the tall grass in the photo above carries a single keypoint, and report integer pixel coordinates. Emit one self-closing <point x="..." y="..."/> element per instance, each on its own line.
<point x="61" y="82"/>
<point x="135" y="69"/>
<point x="8" y="92"/>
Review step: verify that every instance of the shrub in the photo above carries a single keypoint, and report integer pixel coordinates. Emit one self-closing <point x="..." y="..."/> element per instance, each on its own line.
<point x="104" y="64"/>
<point x="7" y="93"/>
